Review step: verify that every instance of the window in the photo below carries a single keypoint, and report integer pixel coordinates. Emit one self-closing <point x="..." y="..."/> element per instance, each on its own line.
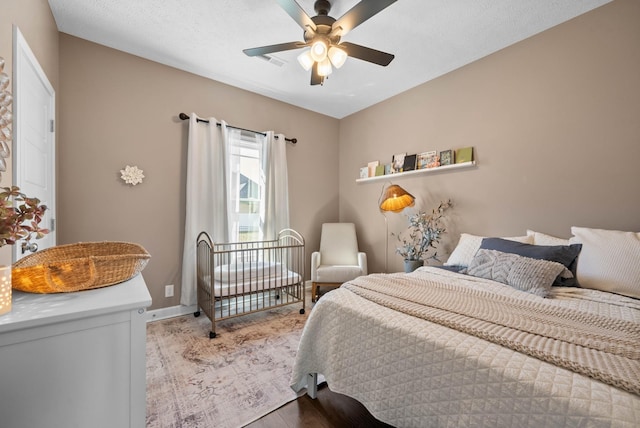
<point x="247" y="186"/>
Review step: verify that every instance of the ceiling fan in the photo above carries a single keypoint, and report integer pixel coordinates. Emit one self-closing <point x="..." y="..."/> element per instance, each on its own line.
<point x="322" y="34"/>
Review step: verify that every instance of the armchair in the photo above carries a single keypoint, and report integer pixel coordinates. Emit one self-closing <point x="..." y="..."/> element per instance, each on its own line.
<point x="338" y="259"/>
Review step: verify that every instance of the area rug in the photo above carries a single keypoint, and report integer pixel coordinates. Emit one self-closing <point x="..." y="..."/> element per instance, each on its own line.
<point x="230" y="381"/>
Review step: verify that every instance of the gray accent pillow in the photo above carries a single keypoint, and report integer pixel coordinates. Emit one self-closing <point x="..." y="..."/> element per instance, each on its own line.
<point x="564" y="254"/>
<point x="522" y="273"/>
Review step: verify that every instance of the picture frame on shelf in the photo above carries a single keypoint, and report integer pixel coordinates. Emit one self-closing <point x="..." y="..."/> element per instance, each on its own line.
<point x="422" y="160"/>
<point x="432" y="159"/>
<point x="409" y="163"/>
<point x="464" y="154"/>
<point x="364" y="172"/>
<point x="447" y="157"/>
<point x="397" y="162"/>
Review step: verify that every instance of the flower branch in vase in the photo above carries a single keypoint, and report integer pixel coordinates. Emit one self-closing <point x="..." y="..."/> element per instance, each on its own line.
<point x="419" y="242"/>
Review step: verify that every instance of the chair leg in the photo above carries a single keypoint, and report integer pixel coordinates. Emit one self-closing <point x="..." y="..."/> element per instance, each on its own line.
<point x="314" y="291"/>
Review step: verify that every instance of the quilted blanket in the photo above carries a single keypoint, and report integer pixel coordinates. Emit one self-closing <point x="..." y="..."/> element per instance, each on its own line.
<point x="530" y="369"/>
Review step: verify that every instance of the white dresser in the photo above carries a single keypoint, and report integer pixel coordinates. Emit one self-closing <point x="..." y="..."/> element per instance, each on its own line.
<point x="75" y="359"/>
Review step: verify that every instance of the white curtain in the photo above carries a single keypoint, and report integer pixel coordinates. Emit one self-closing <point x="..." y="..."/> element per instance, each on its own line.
<point x="206" y="195"/>
<point x="275" y="209"/>
<point x="212" y="190"/>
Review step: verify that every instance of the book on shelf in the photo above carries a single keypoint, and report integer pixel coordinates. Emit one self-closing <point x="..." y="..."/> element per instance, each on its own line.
<point x="447" y="157"/>
<point x="428" y="159"/>
<point x="379" y="170"/>
<point x="372" y="168"/>
<point x="387" y="169"/>
<point x="397" y="162"/>
<point x="364" y="172"/>
<point x="422" y="160"/>
<point x="464" y="154"/>
<point x="409" y="163"/>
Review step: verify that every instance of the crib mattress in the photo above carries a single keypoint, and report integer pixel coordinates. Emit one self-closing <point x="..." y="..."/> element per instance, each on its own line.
<point x="245" y="285"/>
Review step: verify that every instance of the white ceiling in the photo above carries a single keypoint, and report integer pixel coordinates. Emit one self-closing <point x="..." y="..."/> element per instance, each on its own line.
<point x="206" y="37"/>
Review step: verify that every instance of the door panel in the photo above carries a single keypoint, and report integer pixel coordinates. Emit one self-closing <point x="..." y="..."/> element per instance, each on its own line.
<point x="34" y="137"/>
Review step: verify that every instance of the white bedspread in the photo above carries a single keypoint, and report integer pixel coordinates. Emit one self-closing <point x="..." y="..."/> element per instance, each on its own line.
<point x="410" y="372"/>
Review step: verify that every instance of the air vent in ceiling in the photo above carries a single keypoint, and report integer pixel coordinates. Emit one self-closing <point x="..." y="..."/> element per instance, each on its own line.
<point x="271" y="59"/>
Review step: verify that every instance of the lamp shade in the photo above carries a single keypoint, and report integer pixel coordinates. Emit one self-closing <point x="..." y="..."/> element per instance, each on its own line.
<point x="324" y="67"/>
<point x="395" y="199"/>
<point x="319" y="50"/>
<point x="305" y="60"/>
<point x="337" y="56"/>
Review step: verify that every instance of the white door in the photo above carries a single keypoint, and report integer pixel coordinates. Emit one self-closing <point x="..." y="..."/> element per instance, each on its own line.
<point x="34" y="138"/>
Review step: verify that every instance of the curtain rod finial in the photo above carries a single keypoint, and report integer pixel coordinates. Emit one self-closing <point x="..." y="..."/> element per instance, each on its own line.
<point x="183" y="116"/>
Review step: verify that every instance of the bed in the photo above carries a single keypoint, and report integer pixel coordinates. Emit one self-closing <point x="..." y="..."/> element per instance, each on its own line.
<point x="511" y="341"/>
<point x="240" y="278"/>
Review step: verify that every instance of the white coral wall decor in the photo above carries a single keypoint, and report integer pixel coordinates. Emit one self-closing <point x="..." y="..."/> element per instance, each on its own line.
<point x="131" y="175"/>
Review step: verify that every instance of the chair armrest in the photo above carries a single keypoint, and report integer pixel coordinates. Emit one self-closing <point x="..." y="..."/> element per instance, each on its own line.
<point x="362" y="262"/>
<point x="315" y="262"/>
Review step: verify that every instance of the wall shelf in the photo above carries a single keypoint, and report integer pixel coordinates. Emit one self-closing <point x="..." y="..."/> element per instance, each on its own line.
<point x="417" y="172"/>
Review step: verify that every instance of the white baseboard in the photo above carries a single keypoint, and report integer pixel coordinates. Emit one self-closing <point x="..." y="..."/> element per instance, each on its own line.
<point x="170" y="312"/>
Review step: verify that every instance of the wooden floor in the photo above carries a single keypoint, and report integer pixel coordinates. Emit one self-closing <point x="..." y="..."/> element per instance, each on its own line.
<point x="328" y="410"/>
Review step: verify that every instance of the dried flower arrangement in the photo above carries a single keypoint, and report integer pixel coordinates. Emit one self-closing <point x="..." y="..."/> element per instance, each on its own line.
<point x="420" y="240"/>
<point x="20" y="216"/>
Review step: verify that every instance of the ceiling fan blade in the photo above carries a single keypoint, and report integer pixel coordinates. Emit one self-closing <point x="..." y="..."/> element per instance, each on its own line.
<point x="367" y="54"/>
<point x="360" y="13"/>
<point x="316" y="79"/>
<point x="263" y="50"/>
<point x="297" y="13"/>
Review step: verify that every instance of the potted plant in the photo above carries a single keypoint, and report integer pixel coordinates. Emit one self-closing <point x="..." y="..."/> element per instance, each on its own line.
<point x="419" y="242"/>
<point x="20" y="218"/>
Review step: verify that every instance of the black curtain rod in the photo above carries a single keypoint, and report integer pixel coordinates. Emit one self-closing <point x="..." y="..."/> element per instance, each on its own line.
<point x="184" y="116"/>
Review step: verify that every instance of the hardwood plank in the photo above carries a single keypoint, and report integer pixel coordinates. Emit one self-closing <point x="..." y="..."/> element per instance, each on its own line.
<point x="303" y="413"/>
<point x="328" y="410"/>
<point x="341" y="410"/>
<point x="272" y="420"/>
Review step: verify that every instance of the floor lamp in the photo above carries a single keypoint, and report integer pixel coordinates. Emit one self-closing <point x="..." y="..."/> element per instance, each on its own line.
<point x="393" y="198"/>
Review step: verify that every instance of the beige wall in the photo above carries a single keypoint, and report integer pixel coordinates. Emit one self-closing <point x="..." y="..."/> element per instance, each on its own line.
<point x="554" y="121"/>
<point x="117" y="109"/>
<point x="36" y="23"/>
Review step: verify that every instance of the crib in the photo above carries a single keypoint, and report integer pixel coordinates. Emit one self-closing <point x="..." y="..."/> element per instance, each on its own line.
<point x="240" y="278"/>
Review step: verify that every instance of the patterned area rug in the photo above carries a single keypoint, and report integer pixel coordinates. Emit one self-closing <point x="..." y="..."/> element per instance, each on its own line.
<point x="230" y="381"/>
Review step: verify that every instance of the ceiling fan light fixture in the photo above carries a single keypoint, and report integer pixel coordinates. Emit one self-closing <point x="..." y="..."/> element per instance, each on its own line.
<point x="337" y="56"/>
<point x="324" y="68"/>
<point x="305" y="60"/>
<point x="322" y="36"/>
<point x="319" y="50"/>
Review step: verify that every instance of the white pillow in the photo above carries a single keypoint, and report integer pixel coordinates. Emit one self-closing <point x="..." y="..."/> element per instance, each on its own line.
<point x="468" y="246"/>
<point x="609" y="260"/>
<point x="543" y="239"/>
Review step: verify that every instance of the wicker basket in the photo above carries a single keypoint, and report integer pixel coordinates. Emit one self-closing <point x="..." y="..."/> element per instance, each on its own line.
<point x="80" y="266"/>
